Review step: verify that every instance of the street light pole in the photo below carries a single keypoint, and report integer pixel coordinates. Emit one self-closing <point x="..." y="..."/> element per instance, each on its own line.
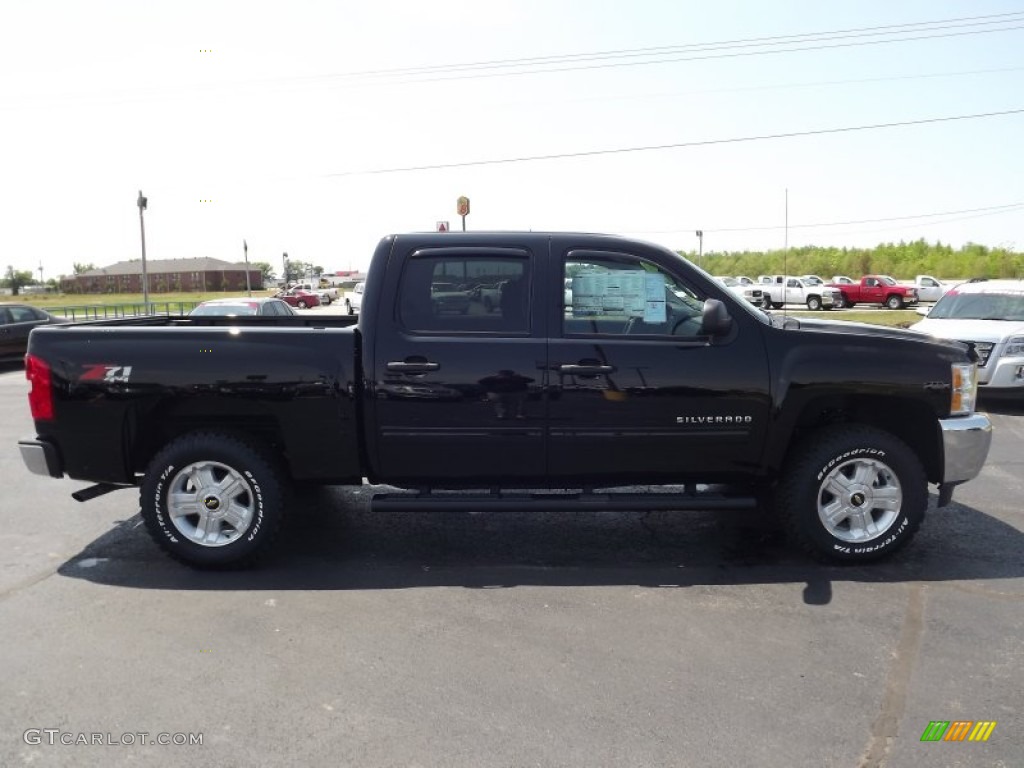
<point x="700" y="246"/>
<point x="141" y="202"/>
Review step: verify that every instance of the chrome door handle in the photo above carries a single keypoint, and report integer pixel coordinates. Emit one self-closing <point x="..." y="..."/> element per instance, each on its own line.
<point x="404" y="367"/>
<point x="586" y="370"/>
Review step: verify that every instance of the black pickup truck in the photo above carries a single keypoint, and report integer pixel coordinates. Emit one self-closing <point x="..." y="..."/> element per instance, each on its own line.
<point x="604" y="363"/>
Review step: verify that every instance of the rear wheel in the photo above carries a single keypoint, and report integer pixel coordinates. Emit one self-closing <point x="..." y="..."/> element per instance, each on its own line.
<point x="212" y="501"/>
<point x="852" y="494"/>
<point x="301" y="304"/>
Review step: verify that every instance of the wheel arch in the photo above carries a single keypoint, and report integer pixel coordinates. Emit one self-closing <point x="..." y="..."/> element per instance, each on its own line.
<point x="167" y="421"/>
<point x="912" y="421"/>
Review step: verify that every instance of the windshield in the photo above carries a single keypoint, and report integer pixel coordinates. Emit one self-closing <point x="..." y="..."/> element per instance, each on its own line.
<point x="223" y="309"/>
<point x="887" y="280"/>
<point x="1008" y="305"/>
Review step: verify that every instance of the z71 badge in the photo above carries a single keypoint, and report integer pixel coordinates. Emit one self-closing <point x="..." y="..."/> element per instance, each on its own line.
<point x="110" y="374"/>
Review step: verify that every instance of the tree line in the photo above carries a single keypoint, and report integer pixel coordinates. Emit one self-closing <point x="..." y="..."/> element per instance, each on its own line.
<point x="902" y="260"/>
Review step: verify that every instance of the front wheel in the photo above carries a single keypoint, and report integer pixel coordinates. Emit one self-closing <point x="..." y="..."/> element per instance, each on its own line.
<point x="301" y="304"/>
<point x="852" y="494"/>
<point x="813" y="303"/>
<point x="212" y="501"/>
<point x="894" y="302"/>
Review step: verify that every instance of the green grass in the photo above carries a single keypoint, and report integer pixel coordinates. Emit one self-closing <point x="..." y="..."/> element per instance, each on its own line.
<point x="112" y="299"/>
<point x="900" y="318"/>
<point x="896" y="318"/>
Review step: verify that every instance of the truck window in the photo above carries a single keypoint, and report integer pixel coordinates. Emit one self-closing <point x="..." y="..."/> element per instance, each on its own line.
<point x="620" y="294"/>
<point x="465" y="294"/>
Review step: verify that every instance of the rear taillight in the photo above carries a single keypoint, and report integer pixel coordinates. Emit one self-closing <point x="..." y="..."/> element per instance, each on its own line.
<point x="40" y="397"/>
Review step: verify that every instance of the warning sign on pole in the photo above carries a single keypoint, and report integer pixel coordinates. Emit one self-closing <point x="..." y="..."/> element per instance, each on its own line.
<point x="442" y="226"/>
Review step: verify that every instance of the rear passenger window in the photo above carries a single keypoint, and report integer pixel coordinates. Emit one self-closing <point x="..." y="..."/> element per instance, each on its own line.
<point x="465" y="293"/>
<point x="623" y="294"/>
<point x="22" y="314"/>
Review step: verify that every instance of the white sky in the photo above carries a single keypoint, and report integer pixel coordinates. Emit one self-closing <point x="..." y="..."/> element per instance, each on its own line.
<point x="257" y="107"/>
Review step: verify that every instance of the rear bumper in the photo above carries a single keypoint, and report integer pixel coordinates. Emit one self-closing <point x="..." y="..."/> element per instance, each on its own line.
<point x="965" y="443"/>
<point x="41" y="457"/>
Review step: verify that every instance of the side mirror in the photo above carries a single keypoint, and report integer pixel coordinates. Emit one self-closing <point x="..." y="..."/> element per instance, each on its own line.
<point x="715" y="319"/>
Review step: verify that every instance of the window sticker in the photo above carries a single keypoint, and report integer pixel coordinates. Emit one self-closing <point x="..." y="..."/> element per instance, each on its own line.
<point x="655" y="310"/>
<point x="619" y="293"/>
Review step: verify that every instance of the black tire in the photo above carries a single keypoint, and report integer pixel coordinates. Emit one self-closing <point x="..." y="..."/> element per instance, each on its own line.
<point x="894" y="302"/>
<point x="814" y="303"/>
<point x="242" y="487"/>
<point x="849" y="304"/>
<point x="821" y="467"/>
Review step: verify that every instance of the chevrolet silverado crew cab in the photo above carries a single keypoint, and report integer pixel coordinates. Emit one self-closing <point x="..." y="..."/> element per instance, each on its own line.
<point x="655" y="374"/>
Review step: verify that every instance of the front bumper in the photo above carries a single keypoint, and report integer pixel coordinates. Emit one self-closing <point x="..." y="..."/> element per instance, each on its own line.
<point x="1005" y="373"/>
<point x="965" y="444"/>
<point x="41" y="457"/>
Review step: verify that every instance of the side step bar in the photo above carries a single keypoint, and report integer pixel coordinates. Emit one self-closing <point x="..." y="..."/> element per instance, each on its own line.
<point x="557" y="502"/>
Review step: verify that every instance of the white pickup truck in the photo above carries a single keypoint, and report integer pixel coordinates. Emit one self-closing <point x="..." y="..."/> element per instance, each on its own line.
<point x="929" y="288"/>
<point x="354" y="298"/>
<point x="784" y="289"/>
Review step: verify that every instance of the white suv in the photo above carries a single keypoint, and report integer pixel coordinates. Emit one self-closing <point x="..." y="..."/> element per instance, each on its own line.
<point x="990" y="314"/>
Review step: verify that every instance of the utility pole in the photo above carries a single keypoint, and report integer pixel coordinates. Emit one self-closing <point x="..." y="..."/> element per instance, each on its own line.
<point x="40" y="273"/>
<point x="142" y="202"/>
<point x="284" y="259"/>
<point x="248" y="284"/>
<point x="700" y="246"/>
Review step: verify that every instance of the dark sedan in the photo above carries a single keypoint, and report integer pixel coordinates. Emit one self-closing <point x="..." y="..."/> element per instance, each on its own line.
<point x="241" y="307"/>
<point x="16" y="323"/>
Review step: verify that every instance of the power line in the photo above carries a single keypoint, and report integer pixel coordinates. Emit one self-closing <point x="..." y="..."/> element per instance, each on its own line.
<point x="679" y="145"/>
<point x="677" y="59"/>
<point x="688" y="52"/>
<point x="725" y="45"/>
<point x="986" y="211"/>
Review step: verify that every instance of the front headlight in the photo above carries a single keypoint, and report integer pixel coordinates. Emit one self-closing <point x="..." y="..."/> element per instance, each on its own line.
<point x="965" y="389"/>
<point x="1014" y="347"/>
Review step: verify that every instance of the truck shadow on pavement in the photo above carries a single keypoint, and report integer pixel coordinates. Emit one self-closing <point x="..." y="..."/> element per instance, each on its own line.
<point x="333" y="542"/>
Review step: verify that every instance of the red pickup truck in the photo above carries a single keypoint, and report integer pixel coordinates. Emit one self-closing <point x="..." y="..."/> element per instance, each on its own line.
<point x="877" y="289"/>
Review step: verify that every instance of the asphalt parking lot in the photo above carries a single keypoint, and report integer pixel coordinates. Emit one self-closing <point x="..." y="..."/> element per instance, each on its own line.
<point x="475" y="640"/>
